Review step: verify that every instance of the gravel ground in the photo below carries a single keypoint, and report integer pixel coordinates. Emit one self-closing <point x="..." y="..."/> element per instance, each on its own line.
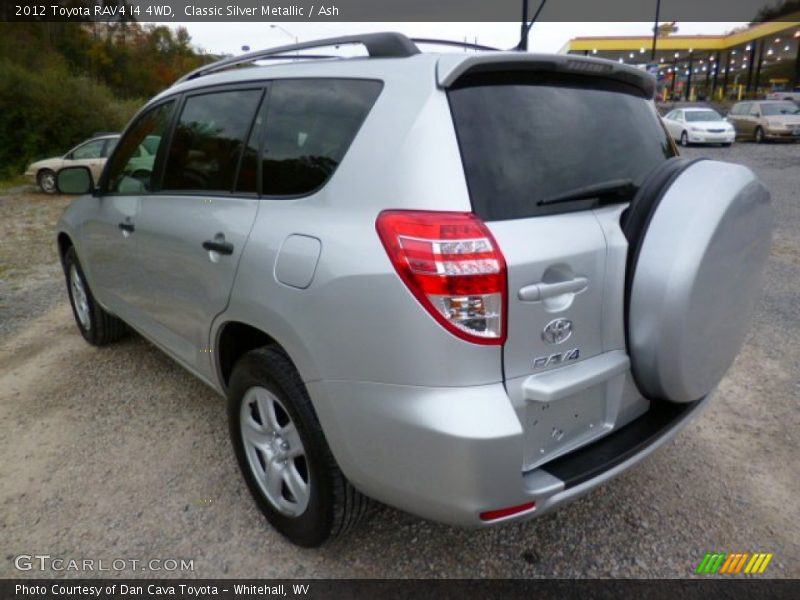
<point x="118" y="453"/>
<point x="29" y="271"/>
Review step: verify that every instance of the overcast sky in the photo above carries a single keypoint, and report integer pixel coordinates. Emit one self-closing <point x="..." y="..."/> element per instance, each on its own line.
<point x="228" y="38"/>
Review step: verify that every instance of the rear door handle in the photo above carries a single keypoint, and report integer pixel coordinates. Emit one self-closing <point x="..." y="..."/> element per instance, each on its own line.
<point x="220" y="247"/>
<point x="542" y="290"/>
<point x="127" y="227"/>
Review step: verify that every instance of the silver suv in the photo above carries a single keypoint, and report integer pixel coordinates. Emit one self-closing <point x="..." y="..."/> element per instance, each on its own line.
<point x="470" y="286"/>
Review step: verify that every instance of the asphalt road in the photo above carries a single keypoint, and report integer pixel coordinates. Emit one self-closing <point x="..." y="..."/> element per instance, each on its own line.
<point x="117" y="453"/>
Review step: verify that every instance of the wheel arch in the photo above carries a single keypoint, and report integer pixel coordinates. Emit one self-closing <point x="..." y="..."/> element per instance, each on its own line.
<point x="233" y="340"/>
<point x="64" y="243"/>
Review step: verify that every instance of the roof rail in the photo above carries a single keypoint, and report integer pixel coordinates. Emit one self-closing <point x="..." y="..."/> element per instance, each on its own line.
<point x="378" y="45"/>
<point x="438" y="42"/>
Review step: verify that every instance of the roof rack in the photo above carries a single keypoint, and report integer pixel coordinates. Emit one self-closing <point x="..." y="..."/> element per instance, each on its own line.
<point x="378" y="45"/>
<point x="438" y="42"/>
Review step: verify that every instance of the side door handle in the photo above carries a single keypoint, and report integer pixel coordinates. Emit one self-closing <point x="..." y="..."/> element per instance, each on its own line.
<point x="127" y="227"/>
<point x="541" y="290"/>
<point x="218" y="246"/>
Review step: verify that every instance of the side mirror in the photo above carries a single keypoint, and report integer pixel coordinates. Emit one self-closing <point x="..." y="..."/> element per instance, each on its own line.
<point x="75" y="180"/>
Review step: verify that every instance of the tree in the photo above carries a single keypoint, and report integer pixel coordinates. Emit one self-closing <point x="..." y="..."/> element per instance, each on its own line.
<point x="667" y="29"/>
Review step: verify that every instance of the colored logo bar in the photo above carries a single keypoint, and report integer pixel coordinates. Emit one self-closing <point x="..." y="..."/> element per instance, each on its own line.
<point x="737" y="562"/>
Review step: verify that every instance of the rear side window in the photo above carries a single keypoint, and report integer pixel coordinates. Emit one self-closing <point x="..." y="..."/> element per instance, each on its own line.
<point x="93" y="149"/>
<point x="208" y="141"/>
<point x="310" y="125"/>
<point x="529" y="138"/>
<point x="111" y="143"/>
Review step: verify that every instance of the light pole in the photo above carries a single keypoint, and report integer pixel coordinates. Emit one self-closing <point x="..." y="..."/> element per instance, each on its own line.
<point x="284" y="30"/>
<point x="655" y="31"/>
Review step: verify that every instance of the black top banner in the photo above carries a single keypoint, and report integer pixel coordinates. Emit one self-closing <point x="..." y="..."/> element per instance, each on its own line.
<point x="395" y="10"/>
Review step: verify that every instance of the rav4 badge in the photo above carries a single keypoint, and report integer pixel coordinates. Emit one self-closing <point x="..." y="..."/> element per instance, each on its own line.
<point x="555" y="359"/>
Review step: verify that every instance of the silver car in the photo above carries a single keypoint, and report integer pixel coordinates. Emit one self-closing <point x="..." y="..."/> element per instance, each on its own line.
<point x="417" y="278"/>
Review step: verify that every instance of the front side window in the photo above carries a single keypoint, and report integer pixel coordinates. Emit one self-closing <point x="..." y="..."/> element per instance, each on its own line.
<point x="130" y="169"/>
<point x="208" y="141"/>
<point x="89" y="150"/>
<point x="309" y="128"/>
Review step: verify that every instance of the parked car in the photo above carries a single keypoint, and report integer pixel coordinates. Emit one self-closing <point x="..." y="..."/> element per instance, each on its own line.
<point x="766" y="120"/>
<point x="91" y="153"/>
<point x="418" y="279"/>
<point x="793" y="95"/>
<point x="699" y="126"/>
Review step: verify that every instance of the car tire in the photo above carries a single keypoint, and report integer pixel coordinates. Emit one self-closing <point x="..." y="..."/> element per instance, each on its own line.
<point x="684" y="330"/>
<point x="96" y="325"/>
<point x="46" y="180"/>
<point x="684" y="139"/>
<point x="758" y="136"/>
<point x="279" y="445"/>
<point x="727" y="144"/>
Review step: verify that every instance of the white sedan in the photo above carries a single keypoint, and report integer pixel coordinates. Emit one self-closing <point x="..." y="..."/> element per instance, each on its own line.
<point x="699" y="126"/>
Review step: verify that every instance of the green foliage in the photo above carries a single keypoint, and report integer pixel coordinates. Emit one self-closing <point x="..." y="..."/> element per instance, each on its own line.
<point x="779" y="9"/>
<point x="47" y="110"/>
<point x="62" y="82"/>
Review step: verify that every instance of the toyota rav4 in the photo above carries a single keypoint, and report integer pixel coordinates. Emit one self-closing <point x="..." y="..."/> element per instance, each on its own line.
<point x="470" y="286"/>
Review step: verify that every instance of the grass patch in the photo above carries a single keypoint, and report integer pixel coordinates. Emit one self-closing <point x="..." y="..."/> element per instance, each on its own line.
<point x="13" y="182"/>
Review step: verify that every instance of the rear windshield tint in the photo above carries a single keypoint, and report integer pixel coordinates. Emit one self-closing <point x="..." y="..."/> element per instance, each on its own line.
<point x="529" y="137"/>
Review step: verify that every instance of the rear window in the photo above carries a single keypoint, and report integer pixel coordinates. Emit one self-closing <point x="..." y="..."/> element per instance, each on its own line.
<point x="527" y="138"/>
<point x="741" y="109"/>
<point x="775" y="109"/>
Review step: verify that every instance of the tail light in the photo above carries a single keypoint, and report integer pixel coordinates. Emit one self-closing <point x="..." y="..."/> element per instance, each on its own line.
<point x="453" y="266"/>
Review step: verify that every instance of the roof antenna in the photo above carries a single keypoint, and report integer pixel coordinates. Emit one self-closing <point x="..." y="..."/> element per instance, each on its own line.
<point x="526" y="25"/>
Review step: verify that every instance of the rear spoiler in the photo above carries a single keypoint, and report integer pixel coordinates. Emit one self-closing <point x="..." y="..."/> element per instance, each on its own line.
<point x="452" y="67"/>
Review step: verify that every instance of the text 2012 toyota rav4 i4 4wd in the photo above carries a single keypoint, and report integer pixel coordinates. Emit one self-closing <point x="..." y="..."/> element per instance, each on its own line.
<point x="471" y="286"/>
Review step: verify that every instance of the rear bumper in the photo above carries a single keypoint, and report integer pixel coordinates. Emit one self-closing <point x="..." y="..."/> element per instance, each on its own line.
<point x="449" y="454"/>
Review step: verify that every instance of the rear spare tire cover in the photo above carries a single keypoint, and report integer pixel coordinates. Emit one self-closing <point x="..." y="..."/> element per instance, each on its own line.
<point x="694" y="278"/>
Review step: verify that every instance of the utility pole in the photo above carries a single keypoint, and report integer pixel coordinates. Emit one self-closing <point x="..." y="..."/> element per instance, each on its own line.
<point x="655" y="31"/>
<point x="523" y="32"/>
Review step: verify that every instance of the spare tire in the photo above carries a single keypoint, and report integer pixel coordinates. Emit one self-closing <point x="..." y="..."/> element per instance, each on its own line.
<point x="699" y="234"/>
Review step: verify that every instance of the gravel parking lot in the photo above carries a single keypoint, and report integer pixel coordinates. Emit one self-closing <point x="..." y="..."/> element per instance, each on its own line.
<point x="118" y="453"/>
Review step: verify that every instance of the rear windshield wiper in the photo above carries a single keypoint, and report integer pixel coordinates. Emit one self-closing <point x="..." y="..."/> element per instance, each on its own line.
<point x="623" y="189"/>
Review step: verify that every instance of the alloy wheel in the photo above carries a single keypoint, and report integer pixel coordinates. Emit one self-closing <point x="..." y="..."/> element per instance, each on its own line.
<point x="47" y="181"/>
<point x="80" y="299"/>
<point x="275" y="452"/>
